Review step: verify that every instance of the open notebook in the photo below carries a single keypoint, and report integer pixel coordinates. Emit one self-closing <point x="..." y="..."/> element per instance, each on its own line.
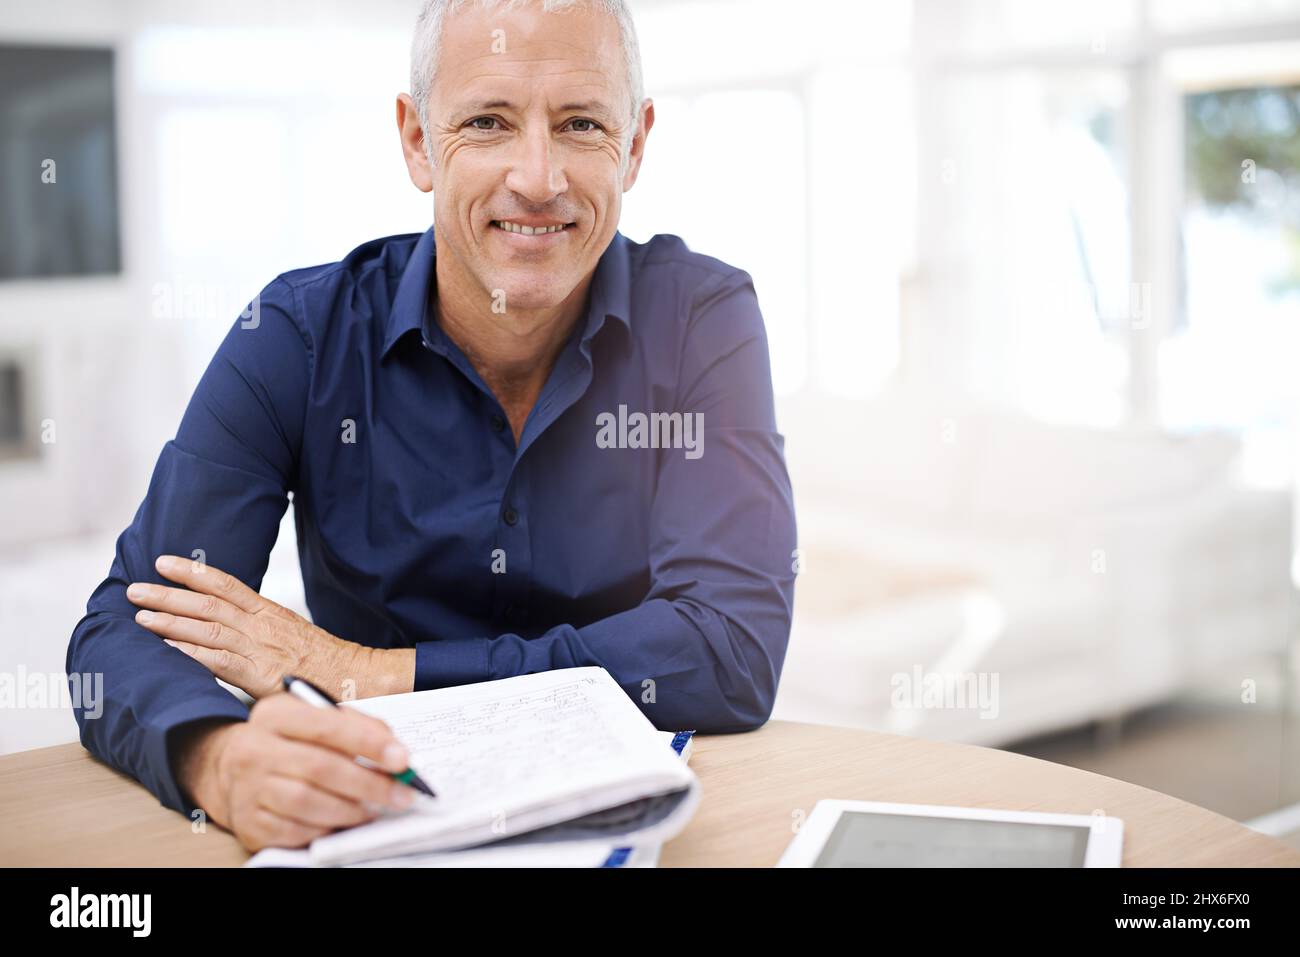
<point x="561" y="758"/>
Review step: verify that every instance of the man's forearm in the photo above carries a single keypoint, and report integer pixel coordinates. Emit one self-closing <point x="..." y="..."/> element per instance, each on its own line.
<point x="689" y="667"/>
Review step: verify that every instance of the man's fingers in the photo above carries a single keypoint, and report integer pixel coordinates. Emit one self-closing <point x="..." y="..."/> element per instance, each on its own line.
<point x="305" y="803"/>
<point x="328" y="770"/>
<point x="210" y="581"/>
<point x="268" y="829"/>
<point x="342" y="729"/>
<point x="230" y="668"/>
<point x="209" y="634"/>
<point x="187" y="604"/>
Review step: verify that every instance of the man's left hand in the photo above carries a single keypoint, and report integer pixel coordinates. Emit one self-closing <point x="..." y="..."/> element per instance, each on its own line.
<point x="250" y="641"/>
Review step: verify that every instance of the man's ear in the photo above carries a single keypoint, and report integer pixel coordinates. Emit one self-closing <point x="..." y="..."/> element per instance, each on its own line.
<point x="413" y="151"/>
<point x="645" y="120"/>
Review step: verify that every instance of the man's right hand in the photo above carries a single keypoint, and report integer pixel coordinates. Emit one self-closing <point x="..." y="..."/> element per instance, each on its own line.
<point x="288" y="774"/>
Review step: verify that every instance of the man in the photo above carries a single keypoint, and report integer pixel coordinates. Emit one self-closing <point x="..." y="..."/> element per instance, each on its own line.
<point x="516" y="442"/>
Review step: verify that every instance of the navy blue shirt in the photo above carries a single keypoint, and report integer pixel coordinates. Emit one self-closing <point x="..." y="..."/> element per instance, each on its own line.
<point x="421" y="523"/>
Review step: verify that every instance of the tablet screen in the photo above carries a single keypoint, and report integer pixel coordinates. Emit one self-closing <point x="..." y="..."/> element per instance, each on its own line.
<point x="902" y="840"/>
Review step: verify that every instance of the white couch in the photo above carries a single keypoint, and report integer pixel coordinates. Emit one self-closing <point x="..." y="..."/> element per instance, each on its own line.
<point x="1089" y="572"/>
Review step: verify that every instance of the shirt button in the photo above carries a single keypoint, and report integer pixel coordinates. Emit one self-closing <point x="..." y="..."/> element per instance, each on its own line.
<point x="498" y="423"/>
<point x="511" y="517"/>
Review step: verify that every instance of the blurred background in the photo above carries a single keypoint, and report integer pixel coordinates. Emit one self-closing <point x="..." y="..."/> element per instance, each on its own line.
<point x="1031" y="278"/>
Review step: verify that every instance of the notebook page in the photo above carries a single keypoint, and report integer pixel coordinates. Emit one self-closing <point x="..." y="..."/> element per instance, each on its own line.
<point x="507" y="756"/>
<point x="507" y="854"/>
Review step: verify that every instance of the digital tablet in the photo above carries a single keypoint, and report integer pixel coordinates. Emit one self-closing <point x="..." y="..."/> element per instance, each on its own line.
<point x="875" y="834"/>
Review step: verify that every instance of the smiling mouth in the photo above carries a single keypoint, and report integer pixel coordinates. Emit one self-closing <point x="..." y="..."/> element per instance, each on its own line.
<point x="518" y="228"/>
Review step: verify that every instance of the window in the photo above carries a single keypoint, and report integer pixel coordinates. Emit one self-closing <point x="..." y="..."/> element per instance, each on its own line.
<point x="1231" y="362"/>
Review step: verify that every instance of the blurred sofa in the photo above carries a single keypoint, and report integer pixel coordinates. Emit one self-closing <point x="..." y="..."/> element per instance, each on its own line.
<point x="1086" y="572"/>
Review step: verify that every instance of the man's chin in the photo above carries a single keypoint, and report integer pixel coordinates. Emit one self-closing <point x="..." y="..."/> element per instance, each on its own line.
<point x="530" y="289"/>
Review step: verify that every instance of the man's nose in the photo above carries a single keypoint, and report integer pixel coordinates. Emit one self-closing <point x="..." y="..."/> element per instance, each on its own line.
<point x="535" y="170"/>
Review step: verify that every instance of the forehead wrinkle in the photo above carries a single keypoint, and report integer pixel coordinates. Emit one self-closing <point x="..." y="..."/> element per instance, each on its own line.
<point x="595" y="91"/>
<point x="512" y="68"/>
<point x="597" y="77"/>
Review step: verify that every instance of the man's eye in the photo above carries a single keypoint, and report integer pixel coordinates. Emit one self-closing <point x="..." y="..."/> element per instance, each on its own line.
<point x="592" y="125"/>
<point x="480" y="120"/>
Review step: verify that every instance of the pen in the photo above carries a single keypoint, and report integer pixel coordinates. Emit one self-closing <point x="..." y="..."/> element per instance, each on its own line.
<point x="304" y="690"/>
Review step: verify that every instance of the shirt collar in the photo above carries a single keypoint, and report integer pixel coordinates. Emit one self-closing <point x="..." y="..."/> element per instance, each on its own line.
<point x="611" y="291"/>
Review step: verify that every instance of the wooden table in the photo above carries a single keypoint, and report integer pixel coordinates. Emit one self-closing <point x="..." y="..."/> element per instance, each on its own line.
<point x="58" y="806"/>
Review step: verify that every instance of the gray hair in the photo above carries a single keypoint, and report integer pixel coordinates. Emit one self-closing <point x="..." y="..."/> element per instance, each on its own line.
<point x="428" y="39"/>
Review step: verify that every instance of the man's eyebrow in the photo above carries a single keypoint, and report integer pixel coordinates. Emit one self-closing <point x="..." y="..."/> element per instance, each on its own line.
<point x="587" y="106"/>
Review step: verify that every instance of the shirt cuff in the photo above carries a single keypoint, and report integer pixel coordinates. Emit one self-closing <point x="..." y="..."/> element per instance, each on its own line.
<point x="161" y="734"/>
<point x="442" y="664"/>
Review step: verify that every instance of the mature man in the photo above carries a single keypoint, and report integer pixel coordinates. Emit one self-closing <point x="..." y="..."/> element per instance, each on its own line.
<point x="516" y="442"/>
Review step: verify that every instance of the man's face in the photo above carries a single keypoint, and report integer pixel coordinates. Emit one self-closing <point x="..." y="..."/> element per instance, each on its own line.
<point x="526" y="124"/>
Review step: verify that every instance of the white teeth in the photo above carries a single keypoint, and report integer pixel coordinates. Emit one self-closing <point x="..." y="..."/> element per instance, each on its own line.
<point x="526" y="230"/>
